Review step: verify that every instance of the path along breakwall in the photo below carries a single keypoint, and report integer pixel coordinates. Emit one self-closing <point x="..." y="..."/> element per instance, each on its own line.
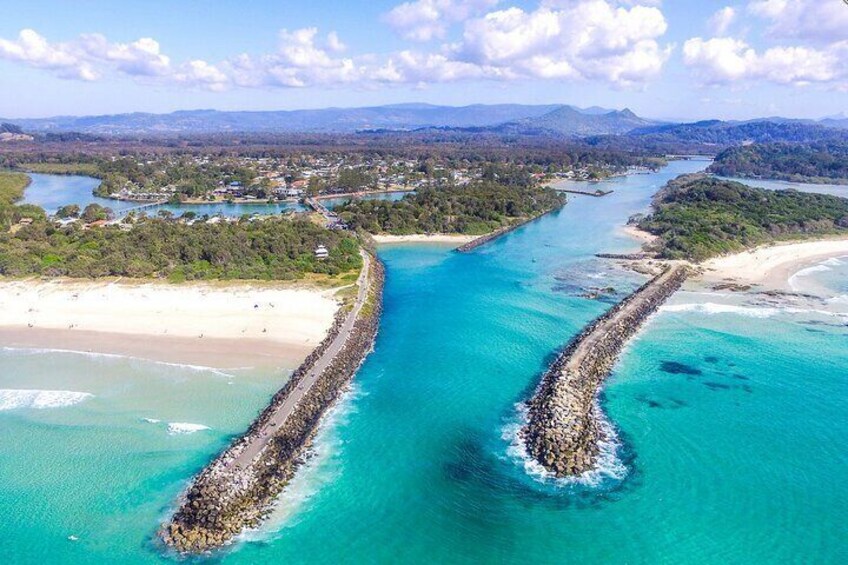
<point x="236" y="490"/>
<point x="563" y="432"/>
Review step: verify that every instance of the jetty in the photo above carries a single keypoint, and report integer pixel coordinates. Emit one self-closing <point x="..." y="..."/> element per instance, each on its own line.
<point x="563" y="432"/>
<point x="237" y="489"/>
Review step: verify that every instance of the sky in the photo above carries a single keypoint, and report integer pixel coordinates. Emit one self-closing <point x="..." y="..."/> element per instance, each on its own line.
<point x="665" y="59"/>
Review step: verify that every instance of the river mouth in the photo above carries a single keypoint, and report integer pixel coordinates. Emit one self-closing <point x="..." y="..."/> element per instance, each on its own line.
<point x="421" y="472"/>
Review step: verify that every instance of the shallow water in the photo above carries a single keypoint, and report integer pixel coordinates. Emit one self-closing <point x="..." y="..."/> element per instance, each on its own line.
<point x="731" y="425"/>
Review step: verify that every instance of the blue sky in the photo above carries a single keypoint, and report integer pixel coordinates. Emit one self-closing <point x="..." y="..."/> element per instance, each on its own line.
<point x="673" y="59"/>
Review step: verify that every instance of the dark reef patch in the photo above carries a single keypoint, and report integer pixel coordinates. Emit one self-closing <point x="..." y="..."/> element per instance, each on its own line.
<point x="676" y="368"/>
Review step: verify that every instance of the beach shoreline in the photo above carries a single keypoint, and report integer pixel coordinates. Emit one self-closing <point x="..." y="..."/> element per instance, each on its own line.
<point x="220" y="326"/>
<point x="773" y="265"/>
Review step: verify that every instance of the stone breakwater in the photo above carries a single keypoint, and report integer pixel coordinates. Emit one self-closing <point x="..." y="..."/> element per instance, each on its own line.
<point x="484" y="239"/>
<point x="236" y="491"/>
<point x="564" y="432"/>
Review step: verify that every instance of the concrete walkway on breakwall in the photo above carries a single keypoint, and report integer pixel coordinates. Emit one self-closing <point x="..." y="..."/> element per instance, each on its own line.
<point x="236" y="490"/>
<point x="563" y="432"/>
<point x="258" y="441"/>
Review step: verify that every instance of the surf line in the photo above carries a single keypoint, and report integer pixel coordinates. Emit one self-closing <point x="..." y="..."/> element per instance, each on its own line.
<point x="564" y="430"/>
<point x="237" y="489"/>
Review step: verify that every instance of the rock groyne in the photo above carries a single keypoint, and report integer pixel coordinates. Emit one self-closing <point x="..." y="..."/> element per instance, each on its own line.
<point x="484" y="239"/>
<point x="236" y="491"/>
<point x="563" y="431"/>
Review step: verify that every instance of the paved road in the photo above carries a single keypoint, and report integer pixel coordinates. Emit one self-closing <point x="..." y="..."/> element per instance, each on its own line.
<point x="259" y="440"/>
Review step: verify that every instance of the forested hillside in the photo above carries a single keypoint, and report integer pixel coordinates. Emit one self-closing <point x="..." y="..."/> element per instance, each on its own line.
<point x="697" y="216"/>
<point x="824" y="162"/>
<point x="476" y="208"/>
<point x="275" y="248"/>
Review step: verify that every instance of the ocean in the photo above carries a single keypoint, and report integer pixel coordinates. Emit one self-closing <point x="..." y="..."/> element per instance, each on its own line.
<point x="728" y="409"/>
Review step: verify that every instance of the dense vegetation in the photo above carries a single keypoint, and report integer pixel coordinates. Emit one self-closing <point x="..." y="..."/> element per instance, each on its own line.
<point x="816" y="162"/>
<point x="476" y="208"/>
<point x="12" y="186"/>
<point x="277" y="248"/>
<point x="697" y="217"/>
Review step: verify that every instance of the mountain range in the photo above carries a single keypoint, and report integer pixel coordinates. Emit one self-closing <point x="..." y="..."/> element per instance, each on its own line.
<point x="552" y="120"/>
<point x="556" y="118"/>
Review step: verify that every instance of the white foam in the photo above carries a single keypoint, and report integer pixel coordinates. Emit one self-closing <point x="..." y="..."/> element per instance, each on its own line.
<point x="609" y="466"/>
<point x="151" y="420"/>
<point x="183" y="428"/>
<point x="320" y="469"/>
<point x="11" y="399"/>
<point x="96" y="355"/>
<point x="713" y="308"/>
<point x="820" y="268"/>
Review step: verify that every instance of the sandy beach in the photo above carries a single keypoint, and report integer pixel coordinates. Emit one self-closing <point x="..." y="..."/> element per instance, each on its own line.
<point x="641" y="236"/>
<point x="772" y="266"/>
<point x="458" y="239"/>
<point x="201" y="324"/>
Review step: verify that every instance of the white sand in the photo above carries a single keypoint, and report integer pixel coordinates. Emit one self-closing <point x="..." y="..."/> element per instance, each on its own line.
<point x="636" y="233"/>
<point x="426" y="238"/>
<point x="289" y="322"/>
<point x="772" y="266"/>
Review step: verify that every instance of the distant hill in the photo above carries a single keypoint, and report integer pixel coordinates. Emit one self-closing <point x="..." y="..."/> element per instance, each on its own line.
<point x="823" y="162"/>
<point x="330" y="120"/>
<point x="551" y="119"/>
<point x="716" y="132"/>
<point x="12" y="132"/>
<point x="571" y="122"/>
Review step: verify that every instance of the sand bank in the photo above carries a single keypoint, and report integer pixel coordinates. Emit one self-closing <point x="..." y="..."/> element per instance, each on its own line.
<point x="772" y="266"/>
<point x="425" y="238"/>
<point x="203" y="324"/>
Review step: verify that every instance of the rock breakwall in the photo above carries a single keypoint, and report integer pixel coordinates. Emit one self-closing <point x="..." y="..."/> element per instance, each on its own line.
<point x="484" y="239"/>
<point x="236" y="491"/>
<point x="563" y="431"/>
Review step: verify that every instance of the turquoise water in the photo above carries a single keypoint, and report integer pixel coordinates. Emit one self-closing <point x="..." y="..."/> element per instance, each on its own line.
<point x="731" y="423"/>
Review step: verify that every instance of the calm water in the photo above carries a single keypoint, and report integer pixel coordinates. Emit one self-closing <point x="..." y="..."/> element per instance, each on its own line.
<point x="51" y="192"/>
<point x="832" y="189"/>
<point x="732" y="433"/>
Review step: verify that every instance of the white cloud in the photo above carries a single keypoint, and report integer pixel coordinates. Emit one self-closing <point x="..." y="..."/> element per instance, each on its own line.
<point x="806" y="42"/>
<point x="33" y="49"/>
<point x="585" y="39"/>
<point x="727" y="60"/>
<point x="613" y="41"/>
<point x="424" y="20"/>
<point x="818" y="21"/>
<point x="721" y="21"/>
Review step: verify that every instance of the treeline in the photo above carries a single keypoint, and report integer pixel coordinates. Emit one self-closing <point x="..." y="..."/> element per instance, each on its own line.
<point x="697" y="216"/>
<point x="271" y="249"/>
<point x="475" y="208"/>
<point x="816" y="162"/>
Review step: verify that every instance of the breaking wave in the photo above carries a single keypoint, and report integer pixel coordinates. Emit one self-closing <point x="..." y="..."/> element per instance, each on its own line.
<point x="10" y="399"/>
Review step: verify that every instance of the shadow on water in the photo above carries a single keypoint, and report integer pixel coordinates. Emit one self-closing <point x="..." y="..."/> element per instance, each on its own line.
<point x="479" y="464"/>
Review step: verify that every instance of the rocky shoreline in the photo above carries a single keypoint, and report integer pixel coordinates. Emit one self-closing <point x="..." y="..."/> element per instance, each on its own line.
<point x="563" y="431"/>
<point x="484" y="239"/>
<point x="227" y="498"/>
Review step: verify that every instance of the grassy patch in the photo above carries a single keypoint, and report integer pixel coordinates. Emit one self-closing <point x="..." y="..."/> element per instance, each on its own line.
<point x="89" y="169"/>
<point x="12" y="186"/>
